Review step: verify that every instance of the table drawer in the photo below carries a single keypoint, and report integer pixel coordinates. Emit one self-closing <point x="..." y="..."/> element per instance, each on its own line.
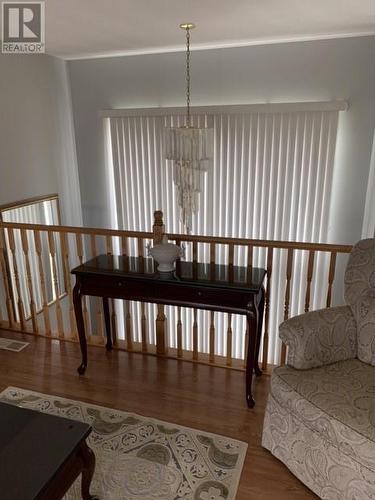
<point x="113" y="287"/>
<point x="166" y="292"/>
<point x="204" y="297"/>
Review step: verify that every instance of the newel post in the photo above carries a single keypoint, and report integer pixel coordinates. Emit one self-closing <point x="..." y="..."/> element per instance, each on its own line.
<point x="161" y="319"/>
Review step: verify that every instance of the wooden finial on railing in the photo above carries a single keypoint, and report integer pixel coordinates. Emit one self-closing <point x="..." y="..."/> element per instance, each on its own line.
<point x="158" y="218"/>
<point x="158" y="227"/>
<point x="161" y="320"/>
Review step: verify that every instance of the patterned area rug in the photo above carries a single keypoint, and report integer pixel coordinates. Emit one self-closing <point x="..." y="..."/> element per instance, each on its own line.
<point x="139" y="458"/>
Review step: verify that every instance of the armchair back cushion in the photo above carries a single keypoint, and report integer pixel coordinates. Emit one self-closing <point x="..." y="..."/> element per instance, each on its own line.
<point x="360" y="296"/>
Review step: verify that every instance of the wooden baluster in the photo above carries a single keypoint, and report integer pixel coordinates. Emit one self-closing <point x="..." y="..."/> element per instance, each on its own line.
<point x="161" y="320"/>
<point x="12" y="246"/>
<point x="231" y="254"/>
<point x="25" y="248"/>
<point x="98" y="301"/>
<point x="212" y="253"/>
<point x="331" y="277"/>
<point x="113" y="322"/>
<point x="310" y="269"/>
<point x="179" y="322"/>
<point x="289" y="266"/>
<point x="109" y="251"/>
<point x="93" y="245"/>
<point x="195" y="335"/>
<point x="249" y="279"/>
<point x="195" y="251"/>
<point x="128" y="327"/>
<point x="195" y="312"/>
<point x="56" y="285"/>
<point x="212" y="261"/>
<point x="212" y="337"/>
<point x="249" y="263"/>
<point x="230" y="262"/>
<point x="79" y="247"/>
<point x="7" y="284"/>
<point x="229" y="341"/>
<point x="43" y="286"/>
<point x="109" y="245"/>
<point x="140" y="245"/>
<point x="79" y="250"/>
<point x="68" y="284"/>
<point x="128" y="318"/>
<point x="267" y="308"/>
<point x="179" y="333"/>
<point x="229" y="329"/>
<point x="195" y="259"/>
<point x="161" y="332"/>
<point x="124" y="246"/>
<point x="212" y="313"/>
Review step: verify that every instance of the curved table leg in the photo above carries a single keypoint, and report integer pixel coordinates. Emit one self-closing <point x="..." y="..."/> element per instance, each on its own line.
<point x="257" y="370"/>
<point x="252" y="323"/>
<point x="88" y="460"/>
<point x="77" y="302"/>
<point x="107" y="321"/>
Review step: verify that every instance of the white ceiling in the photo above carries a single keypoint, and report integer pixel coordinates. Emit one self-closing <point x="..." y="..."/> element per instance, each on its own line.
<point x="87" y="28"/>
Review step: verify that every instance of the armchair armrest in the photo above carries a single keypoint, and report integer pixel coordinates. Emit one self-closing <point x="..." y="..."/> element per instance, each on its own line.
<point x="320" y="337"/>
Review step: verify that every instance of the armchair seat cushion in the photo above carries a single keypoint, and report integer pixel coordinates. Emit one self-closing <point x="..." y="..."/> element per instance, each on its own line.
<point x="336" y="401"/>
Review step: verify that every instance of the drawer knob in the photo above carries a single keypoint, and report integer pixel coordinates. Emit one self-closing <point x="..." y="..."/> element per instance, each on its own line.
<point x="199" y="294"/>
<point x="119" y="283"/>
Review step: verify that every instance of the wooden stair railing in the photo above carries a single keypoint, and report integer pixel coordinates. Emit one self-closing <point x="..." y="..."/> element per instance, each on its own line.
<point x="36" y="290"/>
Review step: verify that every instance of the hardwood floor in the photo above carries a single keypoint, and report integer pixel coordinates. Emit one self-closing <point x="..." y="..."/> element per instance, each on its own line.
<point x="203" y="397"/>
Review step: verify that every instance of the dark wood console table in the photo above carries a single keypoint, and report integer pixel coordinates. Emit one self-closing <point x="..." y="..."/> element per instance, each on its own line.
<point x="230" y="289"/>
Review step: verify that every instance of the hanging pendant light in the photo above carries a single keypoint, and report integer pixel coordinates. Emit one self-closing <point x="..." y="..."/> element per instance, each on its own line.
<point x="189" y="149"/>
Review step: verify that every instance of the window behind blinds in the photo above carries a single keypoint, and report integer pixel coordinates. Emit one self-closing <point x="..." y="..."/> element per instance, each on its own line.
<point x="270" y="178"/>
<point x="43" y="210"/>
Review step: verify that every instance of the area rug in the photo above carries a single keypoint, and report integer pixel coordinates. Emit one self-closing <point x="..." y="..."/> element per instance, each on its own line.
<point x="139" y="458"/>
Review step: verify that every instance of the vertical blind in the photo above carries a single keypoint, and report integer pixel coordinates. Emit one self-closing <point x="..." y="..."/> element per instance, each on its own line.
<point x="270" y="178"/>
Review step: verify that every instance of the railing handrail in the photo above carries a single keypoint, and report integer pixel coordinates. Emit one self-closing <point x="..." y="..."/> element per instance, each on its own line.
<point x="297" y="245"/>
<point x="77" y="230"/>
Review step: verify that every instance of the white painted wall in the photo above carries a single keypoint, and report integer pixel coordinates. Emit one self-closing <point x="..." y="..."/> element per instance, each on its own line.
<point x="37" y="148"/>
<point x="319" y="70"/>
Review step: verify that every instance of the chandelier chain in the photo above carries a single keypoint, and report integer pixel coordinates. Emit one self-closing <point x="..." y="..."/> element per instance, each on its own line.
<point x="188" y="148"/>
<point x="188" y="76"/>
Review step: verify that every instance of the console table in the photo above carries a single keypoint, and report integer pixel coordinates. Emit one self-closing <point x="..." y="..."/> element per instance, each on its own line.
<point x="231" y="289"/>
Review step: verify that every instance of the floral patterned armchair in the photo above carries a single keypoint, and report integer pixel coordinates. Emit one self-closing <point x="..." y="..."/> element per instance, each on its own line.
<point x="320" y="415"/>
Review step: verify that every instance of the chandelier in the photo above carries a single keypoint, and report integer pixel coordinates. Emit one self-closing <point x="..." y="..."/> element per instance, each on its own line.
<point x="189" y="149"/>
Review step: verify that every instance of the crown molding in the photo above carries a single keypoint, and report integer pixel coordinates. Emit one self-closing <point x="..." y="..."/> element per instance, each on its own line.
<point x="212" y="46"/>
